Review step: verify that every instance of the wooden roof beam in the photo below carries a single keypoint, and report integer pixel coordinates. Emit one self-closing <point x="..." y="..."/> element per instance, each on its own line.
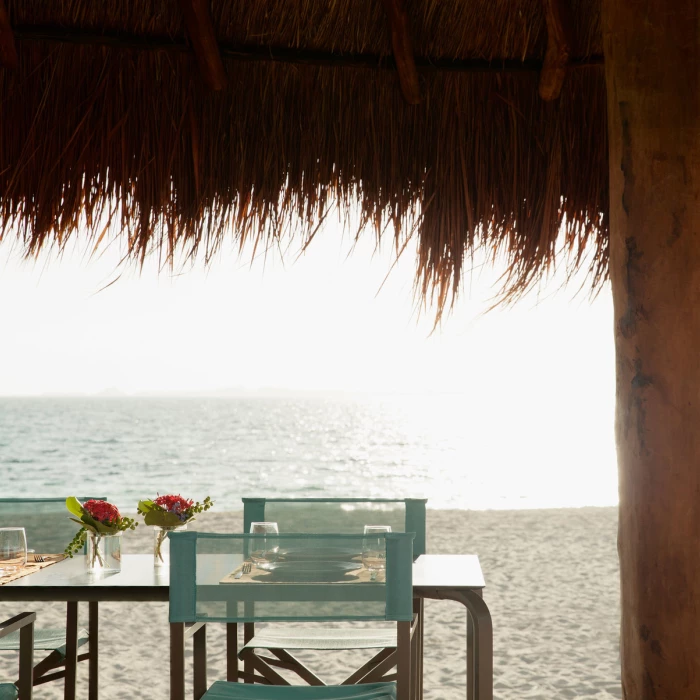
<point x="403" y="50"/>
<point x="8" y="51"/>
<point x="200" y="29"/>
<point x="302" y="57"/>
<point x="559" y="48"/>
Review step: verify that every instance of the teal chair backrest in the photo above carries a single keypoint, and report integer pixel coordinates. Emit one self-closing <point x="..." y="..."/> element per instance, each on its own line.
<point x="340" y="515"/>
<point x="311" y="578"/>
<point x="46" y="521"/>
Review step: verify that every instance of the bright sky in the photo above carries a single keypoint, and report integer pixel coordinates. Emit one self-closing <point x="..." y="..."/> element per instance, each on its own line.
<point x="316" y="322"/>
<point x="535" y="382"/>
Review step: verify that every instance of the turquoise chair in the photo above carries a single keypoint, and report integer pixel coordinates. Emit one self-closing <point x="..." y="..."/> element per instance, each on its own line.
<point x="49" y="530"/>
<point x="287" y="579"/>
<point x="340" y="515"/>
<point x="329" y="515"/>
<point x="22" y="625"/>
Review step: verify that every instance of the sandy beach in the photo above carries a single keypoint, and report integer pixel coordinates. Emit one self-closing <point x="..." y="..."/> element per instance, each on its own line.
<point x="552" y="585"/>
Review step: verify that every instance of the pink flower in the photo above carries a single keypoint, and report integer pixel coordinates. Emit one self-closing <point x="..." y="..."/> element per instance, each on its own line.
<point x="102" y="511"/>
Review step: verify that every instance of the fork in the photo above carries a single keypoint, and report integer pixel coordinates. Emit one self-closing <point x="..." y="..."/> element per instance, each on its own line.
<point x="39" y="559"/>
<point x="245" y="569"/>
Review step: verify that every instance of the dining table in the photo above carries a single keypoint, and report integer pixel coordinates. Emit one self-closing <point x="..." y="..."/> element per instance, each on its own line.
<point x="457" y="578"/>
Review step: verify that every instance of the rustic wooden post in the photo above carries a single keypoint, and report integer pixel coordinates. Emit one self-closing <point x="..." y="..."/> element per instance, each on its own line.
<point x="652" y="58"/>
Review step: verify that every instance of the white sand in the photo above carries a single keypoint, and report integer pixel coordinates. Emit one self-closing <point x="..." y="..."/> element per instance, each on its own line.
<point x="551" y="584"/>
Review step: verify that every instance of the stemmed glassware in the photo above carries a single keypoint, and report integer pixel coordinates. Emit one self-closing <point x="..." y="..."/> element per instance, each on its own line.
<point x="265" y="547"/>
<point x="374" y="550"/>
<point x="13" y="550"/>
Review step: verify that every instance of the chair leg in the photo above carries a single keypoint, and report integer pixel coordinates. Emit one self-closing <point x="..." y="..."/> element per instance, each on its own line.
<point x="200" y="662"/>
<point x="93" y="645"/>
<point x="248" y="634"/>
<point x="381" y="662"/>
<point x="286" y="660"/>
<point x="417" y="659"/>
<point x="71" y="651"/>
<point x="403" y="663"/>
<point x="177" y="661"/>
<point x="255" y="663"/>
<point x="53" y="660"/>
<point x="232" y="652"/>
<point x="26" y="662"/>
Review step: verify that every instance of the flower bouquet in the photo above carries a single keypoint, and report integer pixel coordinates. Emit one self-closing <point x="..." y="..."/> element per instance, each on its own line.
<point x="101" y="526"/>
<point x="166" y="514"/>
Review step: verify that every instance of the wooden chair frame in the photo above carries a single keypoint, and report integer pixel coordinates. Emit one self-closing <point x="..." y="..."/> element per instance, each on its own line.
<point x="405" y="659"/>
<point x="46" y="670"/>
<point x="68" y="663"/>
<point x="259" y="668"/>
<point x="24" y="623"/>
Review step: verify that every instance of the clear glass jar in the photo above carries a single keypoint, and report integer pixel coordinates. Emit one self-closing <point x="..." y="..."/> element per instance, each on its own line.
<point x="161" y="544"/>
<point x="104" y="552"/>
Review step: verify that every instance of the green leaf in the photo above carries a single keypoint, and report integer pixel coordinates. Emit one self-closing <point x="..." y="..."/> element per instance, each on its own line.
<point x="96" y="525"/>
<point x="162" y="518"/>
<point x="145" y="506"/>
<point x="74" y="506"/>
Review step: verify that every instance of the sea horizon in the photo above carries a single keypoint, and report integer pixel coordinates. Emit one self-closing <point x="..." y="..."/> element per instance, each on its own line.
<point x="238" y="443"/>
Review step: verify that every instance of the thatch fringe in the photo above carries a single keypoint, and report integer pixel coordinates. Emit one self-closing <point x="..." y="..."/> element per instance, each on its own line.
<point x="89" y="131"/>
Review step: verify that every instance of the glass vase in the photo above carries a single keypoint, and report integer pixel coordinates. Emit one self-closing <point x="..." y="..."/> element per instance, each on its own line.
<point x="161" y="544"/>
<point x="104" y="552"/>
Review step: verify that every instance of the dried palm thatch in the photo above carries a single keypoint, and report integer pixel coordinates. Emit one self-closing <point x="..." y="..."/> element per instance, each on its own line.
<point x="107" y="117"/>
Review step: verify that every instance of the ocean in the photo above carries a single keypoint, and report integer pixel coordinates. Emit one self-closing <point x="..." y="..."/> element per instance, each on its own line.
<point x="436" y="447"/>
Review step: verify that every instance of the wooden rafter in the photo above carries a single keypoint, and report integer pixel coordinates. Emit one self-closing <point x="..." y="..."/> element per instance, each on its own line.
<point x="302" y="57"/>
<point x="403" y="50"/>
<point x="8" y="51"/>
<point x="559" y="48"/>
<point x="200" y="29"/>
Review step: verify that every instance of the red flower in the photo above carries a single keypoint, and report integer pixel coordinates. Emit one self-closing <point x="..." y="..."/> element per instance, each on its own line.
<point x="174" y="503"/>
<point x="102" y="511"/>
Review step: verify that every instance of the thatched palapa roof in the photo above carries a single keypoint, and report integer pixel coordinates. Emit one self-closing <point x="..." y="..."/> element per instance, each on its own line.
<point x="108" y="112"/>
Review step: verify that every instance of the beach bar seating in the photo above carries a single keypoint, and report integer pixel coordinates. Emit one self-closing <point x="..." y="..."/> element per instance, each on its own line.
<point x="324" y="516"/>
<point x="49" y="530"/>
<point x="23" y="626"/>
<point x="287" y="579"/>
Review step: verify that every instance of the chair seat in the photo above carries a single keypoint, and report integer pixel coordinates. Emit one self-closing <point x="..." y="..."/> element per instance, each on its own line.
<point x="44" y="640"/>
<point x="8" y="691"/>
<point x="221" y="690"/>
<point x="324" y="639"/>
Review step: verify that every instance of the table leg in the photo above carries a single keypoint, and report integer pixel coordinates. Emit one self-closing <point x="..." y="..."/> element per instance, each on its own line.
<point x="414" y="655"/>
<point x="482" y="629"/>
<point x="470" y="657"/>
<point x="421" y="630"/>
<point x="71" y="650"/>
<point x="93" y="663"/>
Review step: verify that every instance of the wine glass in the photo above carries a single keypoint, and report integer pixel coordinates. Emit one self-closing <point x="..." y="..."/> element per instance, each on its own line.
<point x="374" y="549"/>
<point x="265" y="547"/>
<point x="13" y="549"/>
